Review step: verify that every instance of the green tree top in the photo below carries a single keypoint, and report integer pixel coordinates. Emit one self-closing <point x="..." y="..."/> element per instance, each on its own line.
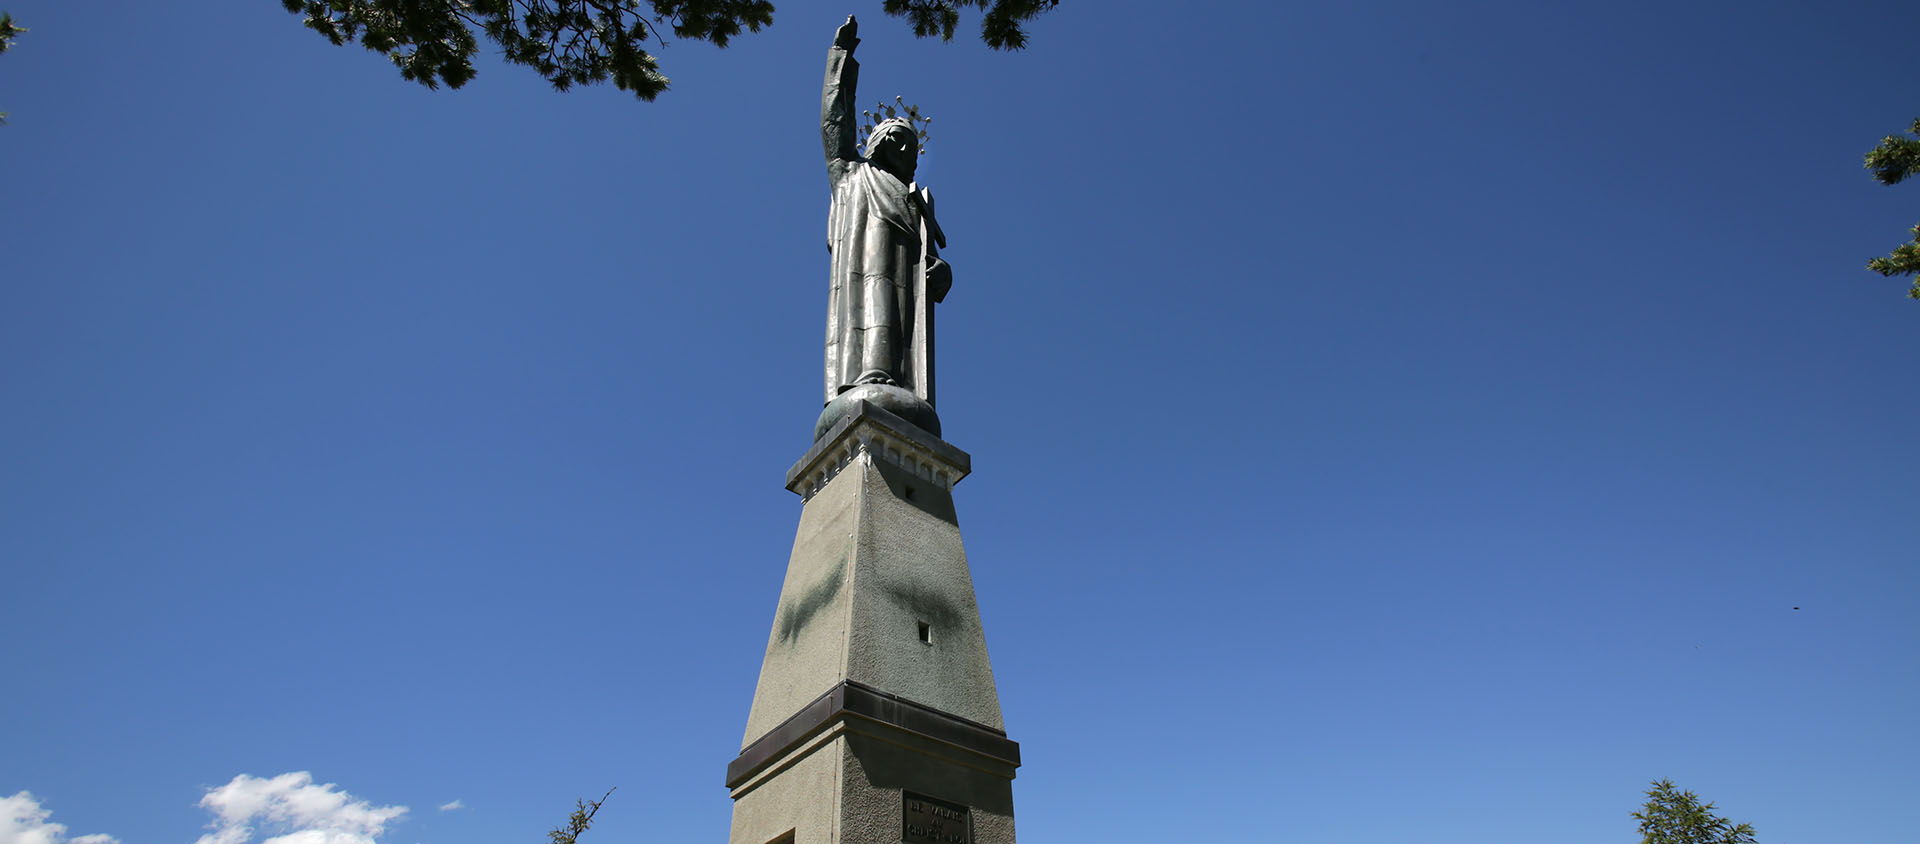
<point x="1672" y="816"/>
<point x="573" y="42"/>
<point x="579" y="821"/>
<point x="8" y="29"/>
<point x="1896" y="158"/>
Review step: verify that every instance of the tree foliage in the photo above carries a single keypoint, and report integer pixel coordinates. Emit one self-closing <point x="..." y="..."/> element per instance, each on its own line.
<point x="1672" y="816"/>
<point x="8" y="29"/>
<point x="574" y="42"/>
<point x="578" y="822"/>
<point x="1896" y="158"/>
<point x="999" y="27"/>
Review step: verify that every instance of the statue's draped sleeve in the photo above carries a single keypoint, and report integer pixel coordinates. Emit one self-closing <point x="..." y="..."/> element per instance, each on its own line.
<point x="837" y="136"/>
<point x="837" y="113"/>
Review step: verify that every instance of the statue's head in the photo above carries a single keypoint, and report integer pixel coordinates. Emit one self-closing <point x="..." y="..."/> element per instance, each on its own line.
<point x="894" y="147"/>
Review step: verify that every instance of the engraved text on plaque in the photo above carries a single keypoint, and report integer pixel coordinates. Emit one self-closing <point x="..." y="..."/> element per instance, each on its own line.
<point x="929" y="821"/>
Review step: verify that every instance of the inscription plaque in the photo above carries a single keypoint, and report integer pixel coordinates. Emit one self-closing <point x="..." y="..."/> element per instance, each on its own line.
<point x="924" y="820"/>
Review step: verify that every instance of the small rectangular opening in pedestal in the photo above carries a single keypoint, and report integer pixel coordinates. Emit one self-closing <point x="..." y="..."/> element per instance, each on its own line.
<point x="926" y="633"/>
<point x="783" y="838"/>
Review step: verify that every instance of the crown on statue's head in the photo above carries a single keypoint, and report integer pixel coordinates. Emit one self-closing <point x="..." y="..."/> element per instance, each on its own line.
<point x="882" y="116"/>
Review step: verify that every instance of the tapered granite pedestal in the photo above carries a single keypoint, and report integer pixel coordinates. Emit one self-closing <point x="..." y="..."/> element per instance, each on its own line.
<point x="875" y="720"/>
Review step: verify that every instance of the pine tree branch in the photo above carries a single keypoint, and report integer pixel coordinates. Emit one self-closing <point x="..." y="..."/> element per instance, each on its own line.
<point x="579" y="821"/>
<point x="572" y="42"/>
<point x="8" y="29"/>
<point x="1896" y="158"/>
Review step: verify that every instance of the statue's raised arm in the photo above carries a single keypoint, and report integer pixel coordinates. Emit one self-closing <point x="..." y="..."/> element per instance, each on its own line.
<point x="837" y="113"/>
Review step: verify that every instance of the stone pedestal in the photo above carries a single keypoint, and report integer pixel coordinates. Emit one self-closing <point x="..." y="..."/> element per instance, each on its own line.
<point x="875" y="720"/>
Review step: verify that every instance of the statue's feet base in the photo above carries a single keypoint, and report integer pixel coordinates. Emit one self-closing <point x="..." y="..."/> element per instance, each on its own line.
<point x="898" y="401"/>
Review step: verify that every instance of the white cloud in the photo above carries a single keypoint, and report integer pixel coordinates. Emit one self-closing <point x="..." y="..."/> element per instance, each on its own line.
<point x="24" y="821"/>
<point x="448" y="807"/>
<point x="295" y="808"/>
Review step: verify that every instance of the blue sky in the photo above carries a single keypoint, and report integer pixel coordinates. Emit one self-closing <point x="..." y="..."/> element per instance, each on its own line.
<point x="1390" y="421"/>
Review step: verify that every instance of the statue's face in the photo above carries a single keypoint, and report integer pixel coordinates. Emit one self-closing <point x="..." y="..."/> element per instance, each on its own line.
<point x="896" y="152"/>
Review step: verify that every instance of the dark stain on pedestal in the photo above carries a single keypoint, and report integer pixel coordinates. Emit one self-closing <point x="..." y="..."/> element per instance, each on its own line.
<point x="795" y="616"/>
<point x="929" y="607"/>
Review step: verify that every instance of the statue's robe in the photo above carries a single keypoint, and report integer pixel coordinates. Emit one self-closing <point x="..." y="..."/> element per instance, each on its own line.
<point x="883" y="239"/>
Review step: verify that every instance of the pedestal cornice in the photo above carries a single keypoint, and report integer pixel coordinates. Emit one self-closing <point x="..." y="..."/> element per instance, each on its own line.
<point x="867" y="429"/>
<point x="874" y="708"/>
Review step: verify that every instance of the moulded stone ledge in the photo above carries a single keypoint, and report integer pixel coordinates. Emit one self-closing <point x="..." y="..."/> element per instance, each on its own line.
<point x="880" y="435"/>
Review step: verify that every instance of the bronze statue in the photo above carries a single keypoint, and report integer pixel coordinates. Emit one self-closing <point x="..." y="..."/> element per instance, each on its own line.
<point x="886" y="270"/>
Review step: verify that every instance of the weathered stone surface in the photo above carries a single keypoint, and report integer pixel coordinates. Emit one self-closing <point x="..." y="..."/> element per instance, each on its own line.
<point x="973" y="744"/>
<point x="885" y="436"/>
<point x="847" y="786"/>
<point x="875" y="682"/>
<point x="878" y="554"/>
<point x="876" y="772"/>
<point x="799" y="795"/>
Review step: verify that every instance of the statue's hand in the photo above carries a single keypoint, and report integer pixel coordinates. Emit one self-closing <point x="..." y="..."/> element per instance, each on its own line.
<point x="939" y="279"/>
<point x="844" y="36"/>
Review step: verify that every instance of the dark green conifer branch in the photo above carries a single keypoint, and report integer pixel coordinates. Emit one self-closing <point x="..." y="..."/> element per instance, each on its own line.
<point x="1896" y="158"/>
<point x="999" y="27"/>
<point x="579" y="821"/>
<point x="8" y="29"/>
<point x="1672" y="816"/>
<point x="577" y="42"/>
